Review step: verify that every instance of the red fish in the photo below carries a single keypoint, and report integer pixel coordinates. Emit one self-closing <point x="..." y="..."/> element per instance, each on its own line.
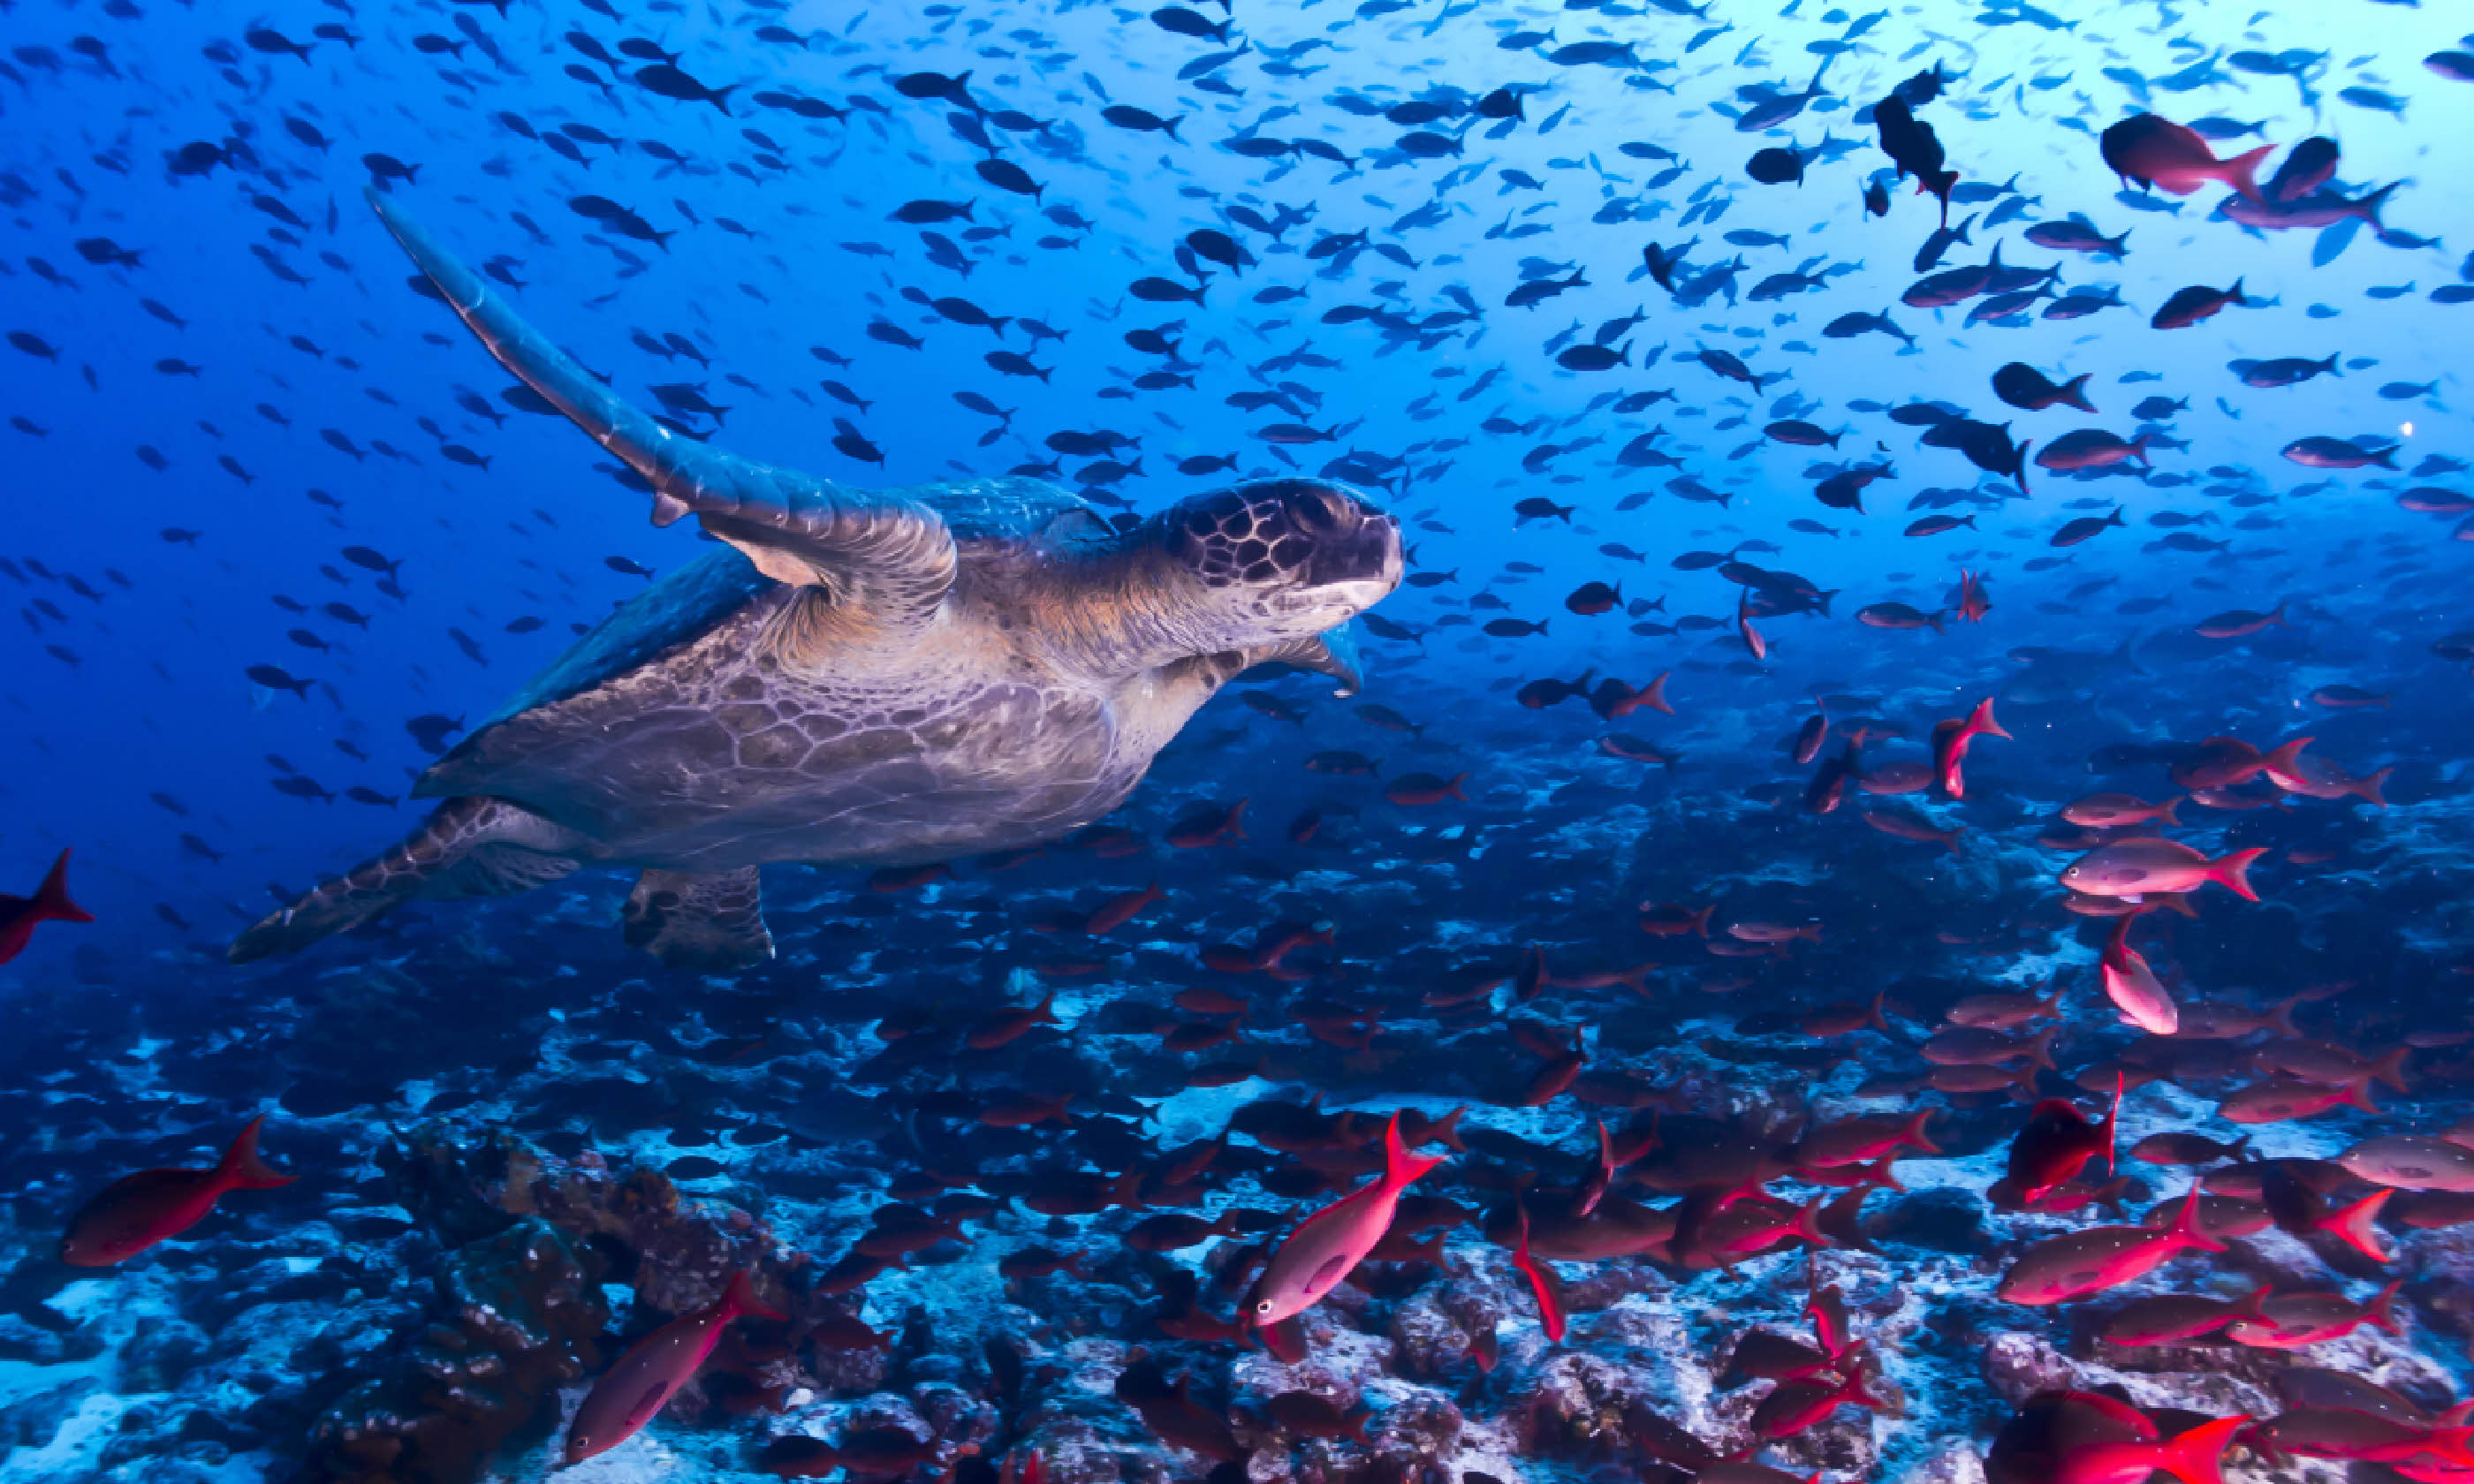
<point x="1120" y="909"/>
<point x="1614" y="700"/>
<point x="1798" y="1404"/>
<point x="135" y="1211"/>
<point x="2316" y="777"/>
<point x="2175" y="159"/>
<point x="1415" y="789"/>
<point x="2291" y="1320"/>
<point x="1208" y="825"/>
<point x="1950" y="744"/>
<point x="1327" y="1244"/>
<point x="1542" y="1282"/>
<point x="1674" y="920"/>
<point x="50" y="903"/>
<point x="2191" y="1456"/>
<point x="629" y="1394"/>
<point x="1973" y="604"/>
<point x="2134" y="987"/>
<point x="2119" y="811"/>
<point x="2058" y="1141"/>
<point x="2079" y="1263"/>
<point x="2135" y="868"/>
<point x="1005" y="1026"/>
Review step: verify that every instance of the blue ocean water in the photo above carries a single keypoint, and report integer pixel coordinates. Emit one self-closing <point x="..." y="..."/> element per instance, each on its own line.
<point x="1649" y="393"/>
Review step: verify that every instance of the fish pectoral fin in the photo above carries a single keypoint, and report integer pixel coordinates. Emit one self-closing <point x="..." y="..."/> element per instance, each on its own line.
<point x="706" y="922"/>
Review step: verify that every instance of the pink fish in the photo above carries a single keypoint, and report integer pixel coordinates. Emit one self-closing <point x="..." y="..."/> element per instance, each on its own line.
<point x="2133" y="986"/>
<point x="2316" y="777"/>
<point x="135" y="1211"/>
<point x="629" y="1394"/>
<point x="1327" y="1244"/>
<point x="1951" y="738"/>
<point x="1542" y="1282"/>
<point x="2135" y="868"/>
<point x="2191" y="1456"/>
<point x="2079" y="1263"/>
<point x="2175" y="157"/>
<point x="50" y="903"/>
<point x="2291" y="1320"/>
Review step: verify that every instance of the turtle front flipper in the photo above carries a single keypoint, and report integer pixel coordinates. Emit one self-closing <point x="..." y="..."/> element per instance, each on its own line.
<point x="884" y="558"/>
<point x="469" y="847"/>
<point x="712" y="924"/>
<point x="1332" y="651"/>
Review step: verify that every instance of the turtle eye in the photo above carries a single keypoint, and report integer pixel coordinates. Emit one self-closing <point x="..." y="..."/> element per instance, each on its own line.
<point x="1316" y="508"/>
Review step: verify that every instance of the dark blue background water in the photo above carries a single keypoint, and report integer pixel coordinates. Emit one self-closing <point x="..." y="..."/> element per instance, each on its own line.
<point x="158" y="699"/>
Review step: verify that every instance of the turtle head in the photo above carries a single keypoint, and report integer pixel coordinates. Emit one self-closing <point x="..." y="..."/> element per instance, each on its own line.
<point x="1276" y="560"/>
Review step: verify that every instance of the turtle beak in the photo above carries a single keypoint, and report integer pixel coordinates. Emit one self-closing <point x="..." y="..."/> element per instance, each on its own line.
<point x="1354" y="542"/>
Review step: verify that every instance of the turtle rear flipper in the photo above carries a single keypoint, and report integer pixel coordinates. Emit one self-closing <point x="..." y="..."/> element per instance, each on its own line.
<point x="712" y="924"/>
<point x="882" y="558"/>
<point x="469" y="847"/>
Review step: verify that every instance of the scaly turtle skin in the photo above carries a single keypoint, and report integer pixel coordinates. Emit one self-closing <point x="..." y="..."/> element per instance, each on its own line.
<point x="880" y="677"/>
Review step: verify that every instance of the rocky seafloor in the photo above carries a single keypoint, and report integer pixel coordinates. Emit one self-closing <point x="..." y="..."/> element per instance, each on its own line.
<point x="520" y="1148"/>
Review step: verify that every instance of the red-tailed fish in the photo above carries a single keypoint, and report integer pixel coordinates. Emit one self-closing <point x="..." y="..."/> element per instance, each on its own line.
<point x="50" y="903"/>
<point x="135" y="1211"/>
<point x="1327" y="1244"/>
<point x="629" y="1394"/>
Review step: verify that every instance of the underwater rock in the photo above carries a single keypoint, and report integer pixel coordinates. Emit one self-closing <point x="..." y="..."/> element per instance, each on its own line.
<point x="519" y="1315"/>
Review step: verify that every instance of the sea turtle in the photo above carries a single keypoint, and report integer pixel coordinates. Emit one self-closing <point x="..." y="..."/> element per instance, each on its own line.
<point x="884" y="677"/>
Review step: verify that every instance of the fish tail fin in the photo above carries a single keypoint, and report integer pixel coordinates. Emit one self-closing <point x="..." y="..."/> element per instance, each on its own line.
<point x="1453" y="788"/>
<point x="2390" y="1068"/>
<point x="52" y="903"/>
<point x="2370" y="788"/>
<point x="1982" y="723"/>
<point x="739" y="1300"/>
<point x="2165" y="811"/>
<point x="2113" y="1127"/>
<point x="1400" y="1165"/>
<point x="2369" y="207"/>
<point x="2382" y="1310"/>
<point x="2192" y="1457"/>
<point x="1808" y="1225"/>
<point x="2241" y="172"/>
<point x="2040" y="1048"/>
<point x="1913" y="1136"/>
<point x="243" y="1169"/>
<point x="2186" y="1229"/>
<point x="2357" y="1093"/>
<point x="2283" y="757"/>
<point x="2075" y="391"/>
<point x="2280" y="1018"/>
<point x="1873" y="1016"/>
<point x="2356" y="1225"/>
<point x="2233" y="871"/>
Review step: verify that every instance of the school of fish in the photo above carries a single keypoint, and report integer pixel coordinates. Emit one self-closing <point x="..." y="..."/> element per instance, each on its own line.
<point x="1894" y="903"/>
